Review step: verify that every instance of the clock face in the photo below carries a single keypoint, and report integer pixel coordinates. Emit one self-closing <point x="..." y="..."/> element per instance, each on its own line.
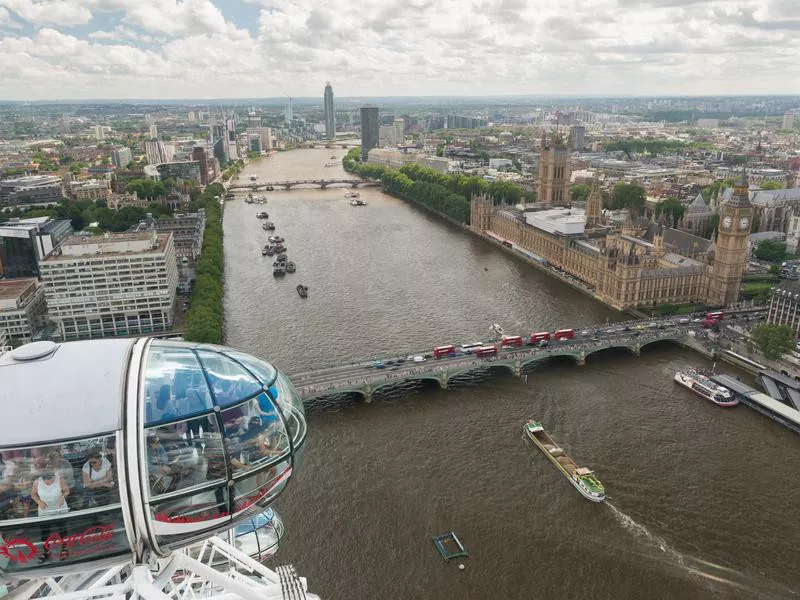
<point x="726" y="222"/>
<point x="743" y="222"/>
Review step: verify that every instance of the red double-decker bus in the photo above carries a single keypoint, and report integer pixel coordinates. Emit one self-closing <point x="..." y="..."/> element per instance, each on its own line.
<point x="486" y="351"/>
<point x="540" y="337"/>
<point x="509" y="341"/>
<point x="441" y="351"/>
<point x="564" y="334"/>
<point x="715" y="316"/>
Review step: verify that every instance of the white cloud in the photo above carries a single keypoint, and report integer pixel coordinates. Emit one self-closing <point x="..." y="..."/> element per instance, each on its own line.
<point x="62" y="12"/>
<point x="185" y="48"/>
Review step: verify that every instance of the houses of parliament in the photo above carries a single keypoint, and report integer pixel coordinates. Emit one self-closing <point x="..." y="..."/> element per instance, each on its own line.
<point x="635" y="265"/>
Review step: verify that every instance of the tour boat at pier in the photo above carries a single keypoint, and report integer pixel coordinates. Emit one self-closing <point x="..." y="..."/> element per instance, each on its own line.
<point x="705" y="387"/>
<point x="581" y="478"/>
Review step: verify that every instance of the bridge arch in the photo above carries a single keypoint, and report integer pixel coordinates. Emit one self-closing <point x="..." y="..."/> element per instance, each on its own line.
<point x="673" y="341"/>
<point x="399" y="383"/>
<point x="334" y="399"/>
<point x="633" y="350"/>
<point x="481" y="367"/>
<point x="544" y="358"/>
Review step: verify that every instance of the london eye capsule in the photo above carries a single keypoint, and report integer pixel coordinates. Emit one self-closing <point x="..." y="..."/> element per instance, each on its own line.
<point x="119" y="451"/>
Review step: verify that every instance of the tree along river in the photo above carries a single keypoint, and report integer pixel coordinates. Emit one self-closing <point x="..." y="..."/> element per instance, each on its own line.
<point x="703" y="500"/>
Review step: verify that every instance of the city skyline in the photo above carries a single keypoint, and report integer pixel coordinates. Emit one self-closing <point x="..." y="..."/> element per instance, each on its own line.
<point x="80" y="49"/>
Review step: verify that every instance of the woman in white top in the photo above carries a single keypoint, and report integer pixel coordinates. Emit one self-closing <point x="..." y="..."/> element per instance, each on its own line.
<point x="50" y="493"/>
<point x="98" y="478"/>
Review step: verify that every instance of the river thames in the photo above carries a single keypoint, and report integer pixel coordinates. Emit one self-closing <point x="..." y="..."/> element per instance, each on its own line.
<point x="702" y="500"/>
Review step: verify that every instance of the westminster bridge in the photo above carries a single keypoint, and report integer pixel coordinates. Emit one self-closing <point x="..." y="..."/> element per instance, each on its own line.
<point x="289" y="184"/>
<point x="322" y="386"/>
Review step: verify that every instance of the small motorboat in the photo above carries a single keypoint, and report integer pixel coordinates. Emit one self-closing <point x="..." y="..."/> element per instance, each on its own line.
<point x="276" y="239"/>
<point x="268" y="226"/>
<point x="264" y="252"/>
<point x="262" y="215"/>
<point x="269" y="250"/>
<point x="281" y="257"/>
<point x="302" y="291"/>
<point x="290" y="267"/>
<point x="278" y="271"/>
<point x="280" y="248"/>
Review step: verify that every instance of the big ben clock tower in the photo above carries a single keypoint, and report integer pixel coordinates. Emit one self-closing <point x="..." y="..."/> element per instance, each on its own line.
<point x="730" y="256"/>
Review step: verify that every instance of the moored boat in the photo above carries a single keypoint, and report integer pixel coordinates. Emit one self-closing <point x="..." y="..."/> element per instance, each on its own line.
<point x="278" y="271"/>
<point x="268" y="226"/>
<point x="275" y="239"/>
<point x="281" y="257"/>
<point x="280" y="248"/>
<point x="262" y="215"/>
<point x="302" y="291"/>
<point x="582" y="478"/>
<point x="290" y="267"/>
<point x="705" y="387"/>
<point x="264" y="252"/>
<point x="269" y="250"/>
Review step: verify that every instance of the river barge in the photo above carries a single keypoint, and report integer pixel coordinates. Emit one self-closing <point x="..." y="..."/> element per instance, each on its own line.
<point x="582" y="478"/>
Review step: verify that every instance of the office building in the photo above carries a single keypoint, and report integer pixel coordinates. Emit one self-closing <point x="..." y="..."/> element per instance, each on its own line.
<point x="265" y="133"/>
<point x="370" y="131"/>
<point x="386" y="136"/>
<point x="157" y="152"/>
<point x="232" y="150"/>
<point x="399" y="131"/>
<point x="99" y="133"/>
<point x="187" y="231"/>
<point x="31" y="189"/>
<point x="554" y="173"/>
<point x="461" y="122"/>
<point x="185" y="170"/>
<point x="784" y="306"/>
<point x="89" y="189"/>
<point x="200" y="156"/>
<point x="24" y="243"/>
<point x="121" y="157"/>
<point x="23" y="311"/>
<point x="254" y="143"/>
<point x="330" y="117"/>
<point x="788" y="120"/>
<point x="153" y="131"/>
<point x="111" y="285"/>
<point x="577" y="137"/>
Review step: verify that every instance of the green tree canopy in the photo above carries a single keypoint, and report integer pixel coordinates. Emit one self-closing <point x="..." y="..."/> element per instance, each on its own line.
<point x="771" y="185"/>
<point x="580" y="192"/>
<point x="630" y="196"/>
<point x="771" y="250"/>
<point x="773" y="340"/>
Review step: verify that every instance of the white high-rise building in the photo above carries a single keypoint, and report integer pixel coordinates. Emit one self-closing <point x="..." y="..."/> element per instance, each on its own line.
<point x="788" y="120"/>
<point x="230" y="140"/>
<point x="153" y="132"/>
<point x="399" y="131"/>
<point x="330" y="114"/>
<point x="118" y="284"/>
<point x="99" y="133"/>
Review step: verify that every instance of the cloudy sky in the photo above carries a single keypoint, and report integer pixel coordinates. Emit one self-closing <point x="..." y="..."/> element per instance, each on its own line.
<point x="75" y="49"/>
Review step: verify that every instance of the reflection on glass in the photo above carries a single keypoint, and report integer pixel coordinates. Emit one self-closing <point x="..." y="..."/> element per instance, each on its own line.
<point x="264" y="371"/>
<point x="260" y="489"/>
<point x="174" y="384"/>
<point x="260" y="535"/>
<point x="252" y="436"/>
<point x="62" y="540"/>
<point x="179" y="518"/>
<point x="230" y="382"/>
<point x="46" y="481"/>
<point x="184" y="454"/>
<point x="291" y="407"/>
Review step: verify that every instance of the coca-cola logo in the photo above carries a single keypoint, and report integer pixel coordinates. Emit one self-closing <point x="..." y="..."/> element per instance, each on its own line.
<point x="90" y="536"/>
<point x="18" y="550"/>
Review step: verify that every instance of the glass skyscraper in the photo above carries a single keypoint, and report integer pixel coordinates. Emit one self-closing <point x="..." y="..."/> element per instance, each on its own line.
<point x="330" y="118"/>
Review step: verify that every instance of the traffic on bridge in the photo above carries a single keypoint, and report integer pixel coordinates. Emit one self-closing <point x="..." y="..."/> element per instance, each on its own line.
<point x="511" y="352"/>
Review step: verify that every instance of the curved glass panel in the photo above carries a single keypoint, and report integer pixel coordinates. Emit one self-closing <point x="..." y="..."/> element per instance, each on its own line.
<point x="260" y="489"/>
<point x="253" y="438"/>
<point x="52" y="480"/>
<point x="259" y="536"/>
<point x="230" y="382"/>
<point x="174" y="384"/>
<point x="291" y="406"/>
<point x="264" y="371"/>
<point x="178" y="519"/>
<point x="62" y="540"/>
<point x="184" y="454"/>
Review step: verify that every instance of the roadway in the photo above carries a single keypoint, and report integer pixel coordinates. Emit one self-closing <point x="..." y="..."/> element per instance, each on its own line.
<point x="402" y="367"/>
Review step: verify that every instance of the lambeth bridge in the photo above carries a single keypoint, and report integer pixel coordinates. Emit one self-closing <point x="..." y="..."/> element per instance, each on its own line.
<point x="287" y="185"/>
<point x="365" y="379"/>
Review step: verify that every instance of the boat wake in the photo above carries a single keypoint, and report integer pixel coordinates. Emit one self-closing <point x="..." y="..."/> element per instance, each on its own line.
<point x="755" y="586"/>
<point x="641" y="531"/>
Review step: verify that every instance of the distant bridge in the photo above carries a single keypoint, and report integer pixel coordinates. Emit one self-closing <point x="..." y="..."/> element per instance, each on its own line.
<point x="287" y="185"/>
<point x="364" y="379"/>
